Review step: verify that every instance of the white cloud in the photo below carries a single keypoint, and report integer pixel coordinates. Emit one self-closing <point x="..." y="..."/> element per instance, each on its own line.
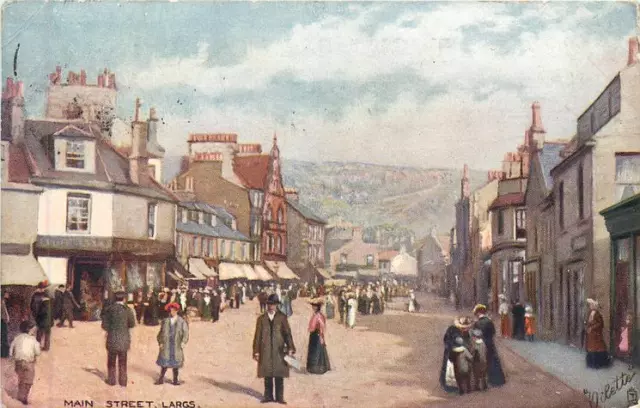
<point x="559" y="66"/>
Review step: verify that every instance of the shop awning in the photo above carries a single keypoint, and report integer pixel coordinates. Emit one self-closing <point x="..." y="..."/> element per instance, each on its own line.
<point x="370" y="273"/>
<point x="324" y="273"/>
<point x="177" y="271"/>
<point x="281" y="270"/>
<point x="262" y="273"/>
<point x="21" y="270"/>
<point x="230" y="271"/>
<point x="198" y="268"/>
<point x="249" y="272"/>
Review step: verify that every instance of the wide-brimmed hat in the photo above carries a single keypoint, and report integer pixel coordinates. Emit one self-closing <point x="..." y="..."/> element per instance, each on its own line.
<point x="172" y="305"/>
<point x="462" y="322"/>
<point x="479" y="308"/>
<point x="273" y="299"/>
<point x="502" y="296"/>
<point x="593" y="302"/>
<point x="316" y="301"/>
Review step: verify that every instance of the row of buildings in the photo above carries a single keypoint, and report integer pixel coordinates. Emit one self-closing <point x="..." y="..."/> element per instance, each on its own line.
<point x="559" y="222"/>
<point x="83" y="201"/>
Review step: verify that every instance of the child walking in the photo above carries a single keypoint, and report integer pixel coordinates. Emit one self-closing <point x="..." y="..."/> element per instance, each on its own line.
<point x="24" y="350"/>
<point x="529" y="323"/>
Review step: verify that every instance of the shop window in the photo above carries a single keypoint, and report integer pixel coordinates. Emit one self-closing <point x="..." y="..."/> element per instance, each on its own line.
<point x="78" y="210"/>
<point x="154" y="275"/>
<point x="622" y="303"/>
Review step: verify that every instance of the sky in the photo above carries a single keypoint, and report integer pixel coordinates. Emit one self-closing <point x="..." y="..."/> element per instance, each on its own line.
<point x="399" y="83"/>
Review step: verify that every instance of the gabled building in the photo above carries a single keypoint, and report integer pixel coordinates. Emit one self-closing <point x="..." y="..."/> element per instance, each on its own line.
<point x="90" y="230"/>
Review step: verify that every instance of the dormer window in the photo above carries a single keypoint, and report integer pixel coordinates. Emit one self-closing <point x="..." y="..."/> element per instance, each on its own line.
<point x="75" y="155"/>
<point x="214" y="221"/>
<point x="234" y="224"/>
<point x="200" y="218"/>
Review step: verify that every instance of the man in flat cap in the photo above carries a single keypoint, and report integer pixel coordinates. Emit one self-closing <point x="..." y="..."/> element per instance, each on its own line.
<point x="117" y="319"/>
<point x="272" y="342"/>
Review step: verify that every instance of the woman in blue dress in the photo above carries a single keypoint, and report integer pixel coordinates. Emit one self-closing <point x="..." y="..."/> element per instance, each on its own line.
<point x="173" y="336"/>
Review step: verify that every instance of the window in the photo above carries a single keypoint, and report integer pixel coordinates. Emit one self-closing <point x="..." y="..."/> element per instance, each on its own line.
<point x="244" y="251"/>
<point x="500" y="222"/>
<point x="151" y="220"/>
<point x="78" y="207"/>
<point x="280" y="216"/>
<point x="267" y="214"/>
<point x="223" y="249"/>
<point x="232" y="245"/>
<point x="211" y="248"/>
<point x="521" y="224"/>
<point x="627" y="175"/>
<point x="561" y="205"/>
<point x="278" y="244"/>
<point x="205" y="246"/>
<point x="343" y="259"/>
<point x="179" y="245"/>
<point x="75" y="155"/>
<point x="581" y="192"/>
<point x="369" y="260"/>
<point x="196" y="246"/>
<point x="184" y="215"/>
<point x="188" y="181"/>
<point x="536" y="243"/>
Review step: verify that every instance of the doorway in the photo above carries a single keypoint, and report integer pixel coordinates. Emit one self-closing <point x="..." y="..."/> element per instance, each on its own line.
<point x="574" y="278"/>
<point x="88" y="287"/>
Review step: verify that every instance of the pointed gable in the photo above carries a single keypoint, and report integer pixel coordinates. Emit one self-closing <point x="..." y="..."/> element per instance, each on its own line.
<point x="252" y="170"/>
<point x="274" y="175"/>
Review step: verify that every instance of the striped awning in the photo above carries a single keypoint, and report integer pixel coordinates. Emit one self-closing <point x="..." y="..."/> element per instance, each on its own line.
<point x="230" y="271"/>
<point x="281" y="270"/>
<point x="249" y="273"/>
<point x="262" y="273"/>
<point x="199" y="269"/>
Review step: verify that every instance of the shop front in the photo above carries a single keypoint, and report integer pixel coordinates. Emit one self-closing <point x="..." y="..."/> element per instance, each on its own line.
<point x="99" y="267"/>
<point x="623" y="224"/>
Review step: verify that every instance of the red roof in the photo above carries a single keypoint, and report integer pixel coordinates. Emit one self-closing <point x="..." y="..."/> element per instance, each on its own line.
<point x="387" y="255"/>
<point x="507" y="200"/>
<point x="18" y="167"/>
<point x="252" y="170"/>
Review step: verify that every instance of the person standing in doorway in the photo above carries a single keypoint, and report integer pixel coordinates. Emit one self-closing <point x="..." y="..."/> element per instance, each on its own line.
<point x="4" y="330"/>
<point x="138" y="304"/>
<point x="117" y="320"/>
<point x="271" y="343"/>
<point x="172" y="338"/>
<point x="69" y="304"/>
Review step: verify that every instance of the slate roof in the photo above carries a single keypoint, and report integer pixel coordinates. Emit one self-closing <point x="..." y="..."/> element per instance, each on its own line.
<point x="549" y="158"/>
<point x="220" y="212"/>
<point x="111" y="170"/>
<point x="252" y="170"/>
<point x="506" y="200"/>
<point x="306" y="212"/>
<point x="219" y="231"/>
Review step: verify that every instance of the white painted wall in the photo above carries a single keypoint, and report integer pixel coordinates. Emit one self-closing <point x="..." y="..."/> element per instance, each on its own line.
<point x="19" y="213"/>
<point x="55" y="269"/>
<point x="52" y="219"/>
<point x="130" y="218"/>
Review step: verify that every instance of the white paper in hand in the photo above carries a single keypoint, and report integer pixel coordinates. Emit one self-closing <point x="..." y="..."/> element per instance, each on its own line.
<point x="292" y="362"/>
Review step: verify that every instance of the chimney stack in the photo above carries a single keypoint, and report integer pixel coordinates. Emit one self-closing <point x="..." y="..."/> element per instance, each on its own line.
<point x="139" y="158"/>
<point x="152" y="127"/>
<point x="83" y="77"/>
<point x="633" y="51"/>
<point x="13" y="111"/>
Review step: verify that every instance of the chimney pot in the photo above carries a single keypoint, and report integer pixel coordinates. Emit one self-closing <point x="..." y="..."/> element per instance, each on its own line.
<point x="152" y="114"/>
<point x="633" y="51"/>
<point x="100" y="81"/>
<point x="83" y="77"/>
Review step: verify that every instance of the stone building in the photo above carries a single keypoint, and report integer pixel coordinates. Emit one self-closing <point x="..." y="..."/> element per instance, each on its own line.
<point x="306" y="238"/>
<point x="433" y="257"/>
<point x="599" y="168"/>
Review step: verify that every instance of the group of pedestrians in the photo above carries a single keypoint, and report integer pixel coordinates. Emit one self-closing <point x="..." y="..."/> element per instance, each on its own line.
<point x="517" y="320"/>
<point x="470" y="361"/>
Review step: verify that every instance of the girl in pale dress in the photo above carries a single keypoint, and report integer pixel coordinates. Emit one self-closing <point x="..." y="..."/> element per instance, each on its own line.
<point x="352" y="307"/>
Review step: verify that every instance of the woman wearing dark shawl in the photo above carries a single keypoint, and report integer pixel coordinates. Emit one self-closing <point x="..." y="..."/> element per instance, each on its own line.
<point x="460" y="328"/>
<point x="151" y="311"/>
<point x="495" y="373"/>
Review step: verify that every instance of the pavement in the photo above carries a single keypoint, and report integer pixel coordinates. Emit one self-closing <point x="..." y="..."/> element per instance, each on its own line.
<point x="391" y="360"/>
<point x="568" y="364"/>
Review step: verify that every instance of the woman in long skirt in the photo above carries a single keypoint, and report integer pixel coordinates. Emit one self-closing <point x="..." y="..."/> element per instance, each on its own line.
<point x="173" y="335"/>
<point x="317" y="356"/>
<point x="597" y="355"/>
<point x="460" y="328"/>
<point x="352" y="307"/>
<point x="495" y="373"/>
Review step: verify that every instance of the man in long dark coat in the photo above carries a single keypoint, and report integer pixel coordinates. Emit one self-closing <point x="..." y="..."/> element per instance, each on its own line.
<point x="216" y="300"/>
<point x="44" y="321"/>
<point x="518" y="321"/>
<point x="117" y="319"/>
<point x="69" y="303"/>
<point x="488" y="329"/>
<point x="272" y="342"/>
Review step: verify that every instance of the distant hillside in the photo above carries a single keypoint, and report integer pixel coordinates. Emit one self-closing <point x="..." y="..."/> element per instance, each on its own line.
<point x="369" y="194"/>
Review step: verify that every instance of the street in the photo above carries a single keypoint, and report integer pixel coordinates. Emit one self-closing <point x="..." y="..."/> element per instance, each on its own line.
<point x="390" y="360"/>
